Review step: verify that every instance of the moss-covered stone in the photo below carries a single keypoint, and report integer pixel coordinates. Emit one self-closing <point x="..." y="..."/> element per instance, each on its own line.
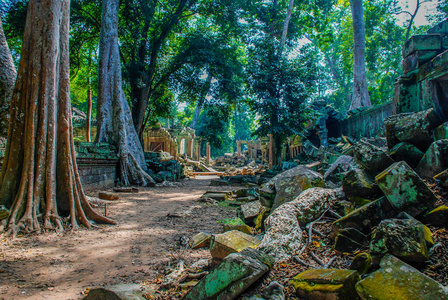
<point x="441" y="132"/>
<point x="349" y="239"/>
<point x="361" y="262"/>
<point x="249" y="211"/>
<point x="435" y="159"/>
<point x="230" y="242"/>
<point x="371" y="157"/>
<point x="358" y="185"/>
<point x="259" y="220"/>
<point x="399" y="281"/>
<point x="365" y="217"/>
<point x="404" y="239"/>
<point x="201" y="240"/>
<point x="422" y="42"/>
<point x="240" y="227"/>
<point x="232" y="276"/>
<point x="437" y="217"/>
<point x="407" y="152"/>
<point x="442" y="179"/>
<point x="405" y="190"/>
<point x="323" y="284"/>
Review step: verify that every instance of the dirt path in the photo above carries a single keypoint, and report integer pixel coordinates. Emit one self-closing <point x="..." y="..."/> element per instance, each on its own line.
<point x="139" y="248"/>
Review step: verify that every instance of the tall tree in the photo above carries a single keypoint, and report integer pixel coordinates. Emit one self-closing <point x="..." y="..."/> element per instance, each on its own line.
<point x="360" y="96"/>
<point x="7" y="79"/>
<point x="39" y="175"/>
<point x="113" y="113"/>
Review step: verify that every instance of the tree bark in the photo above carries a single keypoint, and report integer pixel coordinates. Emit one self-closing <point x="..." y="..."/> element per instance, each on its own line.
<point x="89" y="102"/>
<point x="7" y="79"/>
<point x="41" y="132"/>
<point x="115" y="123"/>
<point x="360" y="96"/>
<point x="286" y="24"/>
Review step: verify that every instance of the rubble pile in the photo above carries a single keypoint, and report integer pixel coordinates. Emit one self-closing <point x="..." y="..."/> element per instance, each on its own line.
<point x="162" y="167"/>
<point x="370" y="227"/>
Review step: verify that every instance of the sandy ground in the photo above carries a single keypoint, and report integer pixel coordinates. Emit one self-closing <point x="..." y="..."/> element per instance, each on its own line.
<point x="140" y="248"/>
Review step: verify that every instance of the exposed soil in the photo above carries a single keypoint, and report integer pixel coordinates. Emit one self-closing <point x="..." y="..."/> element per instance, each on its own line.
<point x="153" y="229"/>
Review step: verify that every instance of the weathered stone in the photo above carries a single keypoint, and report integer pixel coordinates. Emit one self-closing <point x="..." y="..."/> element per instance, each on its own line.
<point x="240" y="227"/>
<point x="365" y="217"/>
<point x="219" y="182"/>
<point x="442" y="179"/>
<point x="407" y="152"/>
<point x="230" y="242"/>
<point x="218" y="196"/>
<point x="435" y="159"/>
<point x="349" y="239"/>
<point x="361" y="263"/>
<point x="404" y="239"/>
<point x="201" y="240"/>
<point x="399" y="281"/>
<point x="427" y="231"/>
<point x="232" y="276"/>
<point x="4" y="212"/>
<point x="259" y="220"/>
<point x="289" y="184"/>
<point x="357" y="184"/>
<point x="417" y="128"/>
<point x="108" y="196"/>
<point x="121" y="292"/>
<point x="405" y="190"/>
<point x="418" y="58"/>
<point x="422" y="42"/>
<point x="267" y="194"/>
<point x="342" y="163"/>
<point x="441" y="28"/>
<point x="246" y="193"/>
<point x="437" y="217"/>
<point x="372" y="158"/>
<point x="441" y="132"/>
<point x="283" y="234"/>
<point x="326" y="284"/>
<point x="249" y="211"/>
<point x="389" y="126"/>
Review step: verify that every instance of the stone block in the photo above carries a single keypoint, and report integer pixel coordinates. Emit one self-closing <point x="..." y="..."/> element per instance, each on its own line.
<point x="326" y="284"/>
<point x="240" y="227"/>
<point x="361" y="262"/>
<point x="108" y="196"/>
<point x="230" y="242"/>
<point x="416" y="59"/>
<point x="348" y="240"/>
<point x="422" y="42"/>
<point x="128" y="291"/>
<point x="249" y="211"/>
<point x="201" y="240"/>
<point x="437" y="217"/>
<point x="441" y="132"/>
<point x="357" y="184"/>
<point x="232" y="276"/>
<point x="372" y="158"/>
<point x="365" y="217"/>
<point x="417" y="128"/>
<point x="442" y="179"/>
<point x="441" y="28"/>
<point x="404" y="239"/>
<point x="399" y="281"/>
<point x="407" y="152"/>
<point x="405" y="190"/>
<point x="435" y="160"/>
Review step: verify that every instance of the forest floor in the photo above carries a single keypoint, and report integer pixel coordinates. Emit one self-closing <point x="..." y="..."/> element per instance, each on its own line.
<point x="153" y="226"/>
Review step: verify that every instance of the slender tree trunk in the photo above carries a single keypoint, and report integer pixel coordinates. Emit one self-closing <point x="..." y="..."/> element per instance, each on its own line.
<point x="7" y="79"/>
<point x="286" y="24"/>
<point x="361" y="96"/>
<point x="89" y="102"/>
<point x="411" y="21"/>
<point x="41" y="132"/>
<point x="197" y="111"/>
<point x="113" y="113"/>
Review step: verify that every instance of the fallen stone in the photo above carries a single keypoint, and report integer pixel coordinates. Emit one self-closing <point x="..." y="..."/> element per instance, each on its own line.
<point x="437" y="217"/>
<point x="108" y="196"/>
<point x="249" y="211"/>
<point x="441" y="132"/>
<point x="361" y="263"/>
<point x="267" y="194"/>
<point x="232" y="276"/>
<point x="289" y="184"/>
<point x="372" y="158"/>
<point x="417" y="128"/>
<point x="404" y="239"/>
<point x="348" y="240"/>
<point x="218" y="196"/>
<point x="365" y="217"/>
<point x="343" y="163"/>
<point x="428" y="234"/>
<point x="407" y="152"/>
<point x="126" y="190"/>
<point x="274" y="291"/>
<point x="357" y="185"/>
<point x="259" y="220"/>
<point x="405" y="190"/>
<point x="201" y="240"/>
<point x="398" y="280"/>
<point x="246" y="193"/>
<point x="442" y="179"/>
<point x="326" y="284"/>
<point x="230" y="242"/>
<point x="283" y="234"/>
<point x="219" y="182"/>
<point x="4" y="212"/>
<point x="240" y="227"/>
<point x="435" y="159"/>
<point x="389" y="126"/>
<point x="121" y="292"/>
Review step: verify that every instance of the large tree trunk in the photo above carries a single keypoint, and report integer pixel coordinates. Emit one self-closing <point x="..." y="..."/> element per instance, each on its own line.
<point x="360" y="96"/>
<point x="39" y="176"/>
<point x="7" y="79"/>
<point x="89" y="102"/>
<point x="113" y="113"/>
